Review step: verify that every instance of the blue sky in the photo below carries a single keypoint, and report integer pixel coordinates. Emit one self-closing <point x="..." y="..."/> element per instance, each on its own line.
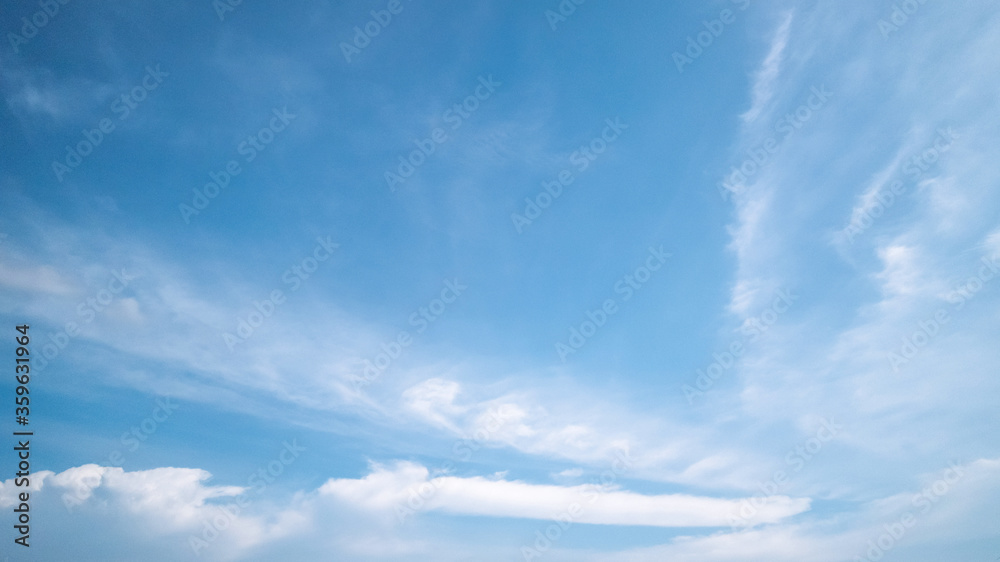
<point x="407" y="280"/>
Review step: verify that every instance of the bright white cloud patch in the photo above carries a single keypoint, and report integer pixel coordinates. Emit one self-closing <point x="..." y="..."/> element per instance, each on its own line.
<point x="392" y="488"/>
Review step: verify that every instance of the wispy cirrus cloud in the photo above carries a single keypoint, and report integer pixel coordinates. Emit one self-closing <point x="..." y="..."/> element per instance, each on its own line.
<point x="767" y="75"/>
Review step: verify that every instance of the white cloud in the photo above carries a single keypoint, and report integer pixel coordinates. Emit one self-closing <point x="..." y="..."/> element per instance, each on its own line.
<point x="38" y="91"/>
<point x="35" y="278"/>
<point x="767" y="74"/>
<point x="901" y="274"/>
<point x="389" y="488"/>
<point x="165" y="507"/>
<point x="434" y="400"/>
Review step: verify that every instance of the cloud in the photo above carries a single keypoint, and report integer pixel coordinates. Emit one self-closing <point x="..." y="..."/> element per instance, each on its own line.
<point x="35" y="278"/>
<point x="901" y="274"/>
<point x="39" y="91"/>
<point x="955" y="513"/>
<point x="767" y="74"/>
<point x="433" y="400"/>
<point x="860" y="301"/>
<point x="161" y="509"/>
<point x="389" y="488"/>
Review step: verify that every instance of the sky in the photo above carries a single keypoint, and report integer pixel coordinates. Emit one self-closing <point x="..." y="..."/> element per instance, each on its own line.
<point x="571" y="281"/>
